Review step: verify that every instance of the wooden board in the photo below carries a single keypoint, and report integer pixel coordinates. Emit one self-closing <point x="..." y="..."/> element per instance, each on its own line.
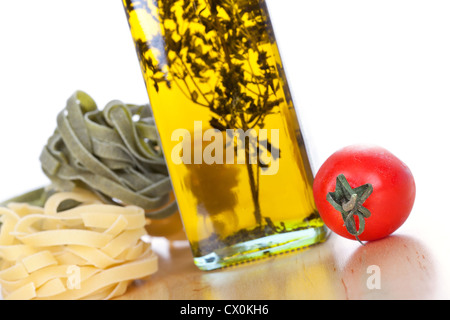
<point x="398" y="267"/>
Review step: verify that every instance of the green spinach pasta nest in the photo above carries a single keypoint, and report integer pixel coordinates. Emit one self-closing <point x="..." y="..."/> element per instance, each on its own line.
<point x="114" y="152"/>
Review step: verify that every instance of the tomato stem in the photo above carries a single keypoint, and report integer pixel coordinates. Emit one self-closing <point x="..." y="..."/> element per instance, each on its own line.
<point x="349" y="202"/>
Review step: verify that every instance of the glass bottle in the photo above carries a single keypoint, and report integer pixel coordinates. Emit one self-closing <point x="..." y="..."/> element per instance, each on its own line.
<point x="228" y="127"/>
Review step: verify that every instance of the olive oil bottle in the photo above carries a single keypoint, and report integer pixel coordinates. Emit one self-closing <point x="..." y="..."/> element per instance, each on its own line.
<point x="228" y="127"/>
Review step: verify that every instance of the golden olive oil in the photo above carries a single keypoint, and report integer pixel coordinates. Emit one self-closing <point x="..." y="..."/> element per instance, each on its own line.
<point x="228" y="127"/>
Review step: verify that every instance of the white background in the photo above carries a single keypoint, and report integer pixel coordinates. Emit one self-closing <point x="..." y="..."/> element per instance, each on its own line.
<point x="360" y="72"/>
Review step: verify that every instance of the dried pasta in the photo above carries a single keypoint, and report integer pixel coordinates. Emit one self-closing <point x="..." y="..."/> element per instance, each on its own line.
<point x="110" y="152"/>
<point x="90" y="251"/>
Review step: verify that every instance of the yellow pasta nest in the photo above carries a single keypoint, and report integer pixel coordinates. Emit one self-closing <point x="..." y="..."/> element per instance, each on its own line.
<point x="92" y="251"/>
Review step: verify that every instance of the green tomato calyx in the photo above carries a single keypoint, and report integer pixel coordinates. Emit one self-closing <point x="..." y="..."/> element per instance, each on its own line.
<point x="349" y="202"/>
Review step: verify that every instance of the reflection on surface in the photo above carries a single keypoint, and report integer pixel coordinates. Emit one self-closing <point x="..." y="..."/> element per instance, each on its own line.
<point x="298" y="275"/>
<point x="336" y="269"/>
<point x="397" y="267"/>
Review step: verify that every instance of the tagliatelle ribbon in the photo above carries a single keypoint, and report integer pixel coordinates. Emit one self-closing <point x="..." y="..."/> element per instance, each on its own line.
<point x="91" y="251"/>
<point x="111" y="153"/>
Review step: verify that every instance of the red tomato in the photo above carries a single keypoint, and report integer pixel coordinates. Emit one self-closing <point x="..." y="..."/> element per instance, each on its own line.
<point x="386" y="180"/>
